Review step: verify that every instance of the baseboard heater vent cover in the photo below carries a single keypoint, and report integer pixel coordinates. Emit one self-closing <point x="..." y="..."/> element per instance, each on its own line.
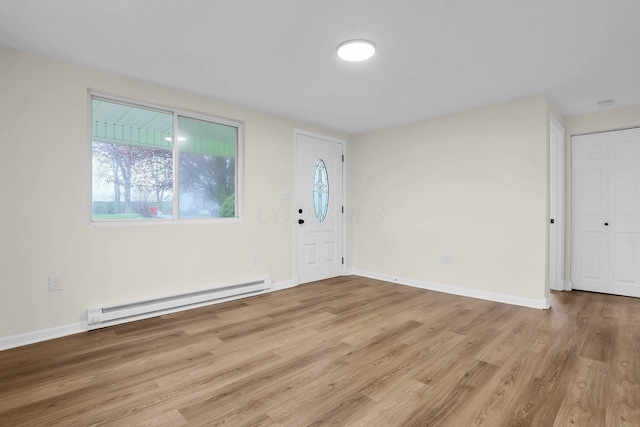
<point x="114" y="315"/>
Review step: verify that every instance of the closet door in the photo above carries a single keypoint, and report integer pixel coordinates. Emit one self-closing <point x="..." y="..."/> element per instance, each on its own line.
<point x="606" y="212"/>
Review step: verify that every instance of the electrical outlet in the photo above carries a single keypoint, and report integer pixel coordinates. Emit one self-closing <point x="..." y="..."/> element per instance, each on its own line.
<point x="254" y="259"/>
<point x="55" y="283"/>
<point x="446" y="258"/>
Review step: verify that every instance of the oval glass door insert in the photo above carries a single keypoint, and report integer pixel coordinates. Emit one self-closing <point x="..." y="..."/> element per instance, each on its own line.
<point x="320" y="190"/>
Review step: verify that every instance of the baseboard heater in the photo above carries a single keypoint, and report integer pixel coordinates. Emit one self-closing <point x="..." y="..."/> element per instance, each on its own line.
<point x="114" y="315"/>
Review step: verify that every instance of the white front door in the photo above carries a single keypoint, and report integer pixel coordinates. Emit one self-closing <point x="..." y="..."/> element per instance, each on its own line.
<point x="606" y="212"/>
<point x="318" y="204"/>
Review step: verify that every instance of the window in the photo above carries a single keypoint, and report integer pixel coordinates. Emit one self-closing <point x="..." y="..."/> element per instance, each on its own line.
<point x="320" y="190"/>
<point x="150" y="164"/>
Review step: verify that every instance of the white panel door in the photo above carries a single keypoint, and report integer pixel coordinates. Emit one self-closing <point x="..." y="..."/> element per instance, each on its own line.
<point x="606" y="212"/>
<point x="318" y="207"/>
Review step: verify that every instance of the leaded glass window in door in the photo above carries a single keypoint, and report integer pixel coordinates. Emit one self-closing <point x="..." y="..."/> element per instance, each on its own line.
<point x="320" y="190"/>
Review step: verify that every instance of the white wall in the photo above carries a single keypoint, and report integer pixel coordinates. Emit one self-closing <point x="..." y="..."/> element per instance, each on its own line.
<point x="45" y="209"/>
<point x="605" y="120"/>
<point x="473" y="184"/>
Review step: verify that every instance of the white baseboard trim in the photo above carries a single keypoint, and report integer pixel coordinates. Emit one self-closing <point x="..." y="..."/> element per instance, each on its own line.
<point x="283" y="285"/>
<point x="76" y="328"/>
<point x="455" y="290"/>
<point x="41" y="335"/>
<point x="567" y="285"/>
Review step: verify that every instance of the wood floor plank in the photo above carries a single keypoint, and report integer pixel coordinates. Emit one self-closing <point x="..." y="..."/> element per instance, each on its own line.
<point x="497" y="400"/>
<point x="340" y="380"/>
<point x="230" y="394"/>
<point x="344" y="351"/>
<point x="460" y="358"/>
<point x="415" y="359"/>
<point x="446" y="400"/>
<point x="407" y="396"/>
<point x="599" y="342"/>
<point x="584" y="401"/>
<point x="540" y="400"/>
<point x="129" y="370"/>
<point x="625" y="370"/>
<point x="151" y="418"/>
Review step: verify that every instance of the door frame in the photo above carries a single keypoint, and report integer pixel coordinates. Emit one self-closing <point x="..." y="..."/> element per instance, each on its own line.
<point x="295" y="199"/>
<point x="556" y="234"/>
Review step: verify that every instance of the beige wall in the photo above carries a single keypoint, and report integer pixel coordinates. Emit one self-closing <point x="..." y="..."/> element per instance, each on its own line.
<point x="473" y="184"/>
<point x="45" y="187"/>
<point x="606" y="120"/>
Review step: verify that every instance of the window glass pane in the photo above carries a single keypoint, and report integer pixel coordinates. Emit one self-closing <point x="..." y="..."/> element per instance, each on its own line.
<point x="207" y="153"/>
<point x="320" y="190"/>
<point x="132" y="163"/>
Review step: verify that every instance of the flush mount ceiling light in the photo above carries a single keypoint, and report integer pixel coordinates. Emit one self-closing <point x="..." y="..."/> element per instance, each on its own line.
<point x="356" y="50"/>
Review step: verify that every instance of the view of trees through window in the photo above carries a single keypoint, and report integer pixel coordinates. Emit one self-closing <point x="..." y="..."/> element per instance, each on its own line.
<point x="133" y="164"/>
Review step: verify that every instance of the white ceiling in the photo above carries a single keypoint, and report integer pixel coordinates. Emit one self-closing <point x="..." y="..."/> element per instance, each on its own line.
<point x="434" y="56"/>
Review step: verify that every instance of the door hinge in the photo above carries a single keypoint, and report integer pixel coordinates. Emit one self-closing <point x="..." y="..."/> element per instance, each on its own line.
<point x="553" y="221"/>
<point x="342" y="260"/>
<point x="343" y="209"/>
<point x="343" y="158"/>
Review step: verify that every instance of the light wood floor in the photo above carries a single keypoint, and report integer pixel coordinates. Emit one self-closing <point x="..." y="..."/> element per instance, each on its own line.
<point x="346" y="351"/>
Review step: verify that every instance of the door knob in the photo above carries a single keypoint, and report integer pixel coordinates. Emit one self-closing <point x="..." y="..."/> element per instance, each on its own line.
<point x="301" y="221"/>
<point x="606" y="224"/>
